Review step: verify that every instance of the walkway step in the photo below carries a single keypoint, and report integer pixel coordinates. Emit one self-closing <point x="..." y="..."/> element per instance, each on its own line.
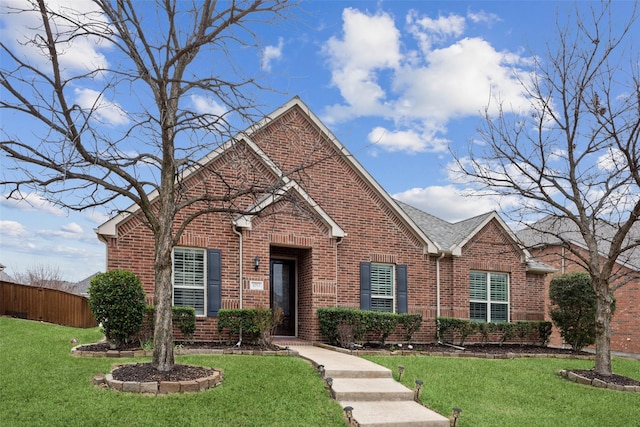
<point x="370" y="389"/>
<point x="394" y="414"/>
<point x="376" y="398"/>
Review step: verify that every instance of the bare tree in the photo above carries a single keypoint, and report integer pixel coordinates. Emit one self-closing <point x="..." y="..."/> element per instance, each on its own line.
<point x="42" y="275"/>
<point x="574" y="155"/>
<point x="129" y="127"/>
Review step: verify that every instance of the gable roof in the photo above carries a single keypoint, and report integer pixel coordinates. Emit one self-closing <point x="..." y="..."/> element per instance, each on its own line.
<point x="452" y="237"/>
<point x="109" y="228"/>
<point x="555" y="231"/>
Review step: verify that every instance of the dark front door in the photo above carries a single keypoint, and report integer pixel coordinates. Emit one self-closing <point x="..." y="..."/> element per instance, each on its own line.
<point x="283" y="294"/>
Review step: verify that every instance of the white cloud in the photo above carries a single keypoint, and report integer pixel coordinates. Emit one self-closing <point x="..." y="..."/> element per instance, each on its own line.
<point x="75" y="53"/>
<point x="31" y="202"/>
<point x="96" y="217"/>
<point x="101" y="109"/>
<point x="12" y="229"/>
<point x="454" y="204"/>
<point x="271" y="53"/>
<point x="483" y="17"/>
<point x="207" y="105"/>
<point x="429" y="31"/>
<point x="428" y="88"/>
<point x="72" y="227"/>
<point x="369" y="43"/>
<point x="409" y="140"/>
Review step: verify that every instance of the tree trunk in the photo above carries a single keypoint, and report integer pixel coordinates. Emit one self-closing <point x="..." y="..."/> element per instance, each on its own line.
<point x="603" y="327"/>
<point x="163" y="358"/>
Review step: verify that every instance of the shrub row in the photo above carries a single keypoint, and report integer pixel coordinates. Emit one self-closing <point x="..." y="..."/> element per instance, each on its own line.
<point x="184" y="318"/>
<point x="450" y="329"/>
<point x="343" y="326"/>
<point x="250" y="324"/>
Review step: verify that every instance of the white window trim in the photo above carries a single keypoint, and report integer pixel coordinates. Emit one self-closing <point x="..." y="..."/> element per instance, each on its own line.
<point x="173" y="285"/>
<point x="488" y="301"/>
<point x="393" y="286"/>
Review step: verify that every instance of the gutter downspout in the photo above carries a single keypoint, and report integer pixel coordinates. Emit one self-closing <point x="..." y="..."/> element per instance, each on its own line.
<point x="240" y="273"/>
<point x="438" y="292"/>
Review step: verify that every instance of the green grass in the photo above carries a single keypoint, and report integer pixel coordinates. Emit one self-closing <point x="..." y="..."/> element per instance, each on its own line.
<point x="41" y="384"/>
<point x="518" y="392"/>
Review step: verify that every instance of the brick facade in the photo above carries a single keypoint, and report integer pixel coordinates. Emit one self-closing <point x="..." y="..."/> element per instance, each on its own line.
<point x="327" y="266"/>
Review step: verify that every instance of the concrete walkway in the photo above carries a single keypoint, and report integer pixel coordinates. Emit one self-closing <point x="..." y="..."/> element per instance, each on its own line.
<point x="376" y="397"/>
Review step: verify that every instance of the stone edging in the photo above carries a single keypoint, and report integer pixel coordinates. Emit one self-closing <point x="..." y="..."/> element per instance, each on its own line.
<point x="455" y="354"/>
<point x="158" y="387"/>
<point x="572" y="376"/>
<point x="189" y="351"/>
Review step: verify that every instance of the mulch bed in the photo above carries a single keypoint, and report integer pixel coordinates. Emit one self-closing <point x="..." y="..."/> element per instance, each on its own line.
<point x="104" y="346"/>
<point x="613" y="379"/>
<point x="145" y="372"/>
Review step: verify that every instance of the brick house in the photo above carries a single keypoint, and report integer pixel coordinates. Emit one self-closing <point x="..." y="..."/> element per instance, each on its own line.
<point x="625" y="324"/>
<point x="331" y="236"/>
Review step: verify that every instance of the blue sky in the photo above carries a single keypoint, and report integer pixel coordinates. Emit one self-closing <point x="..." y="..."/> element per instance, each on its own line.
<point x="398" y="82"/>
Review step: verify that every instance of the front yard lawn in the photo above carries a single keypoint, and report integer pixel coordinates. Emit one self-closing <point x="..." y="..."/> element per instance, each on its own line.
<point x="518" y="392"/>
<point x="42" y="385"/>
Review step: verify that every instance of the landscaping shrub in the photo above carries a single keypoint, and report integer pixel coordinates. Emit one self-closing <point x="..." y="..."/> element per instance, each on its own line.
<point x="410" y="323"/>
<point x="458" y="330"/>
<point x="116" y="299"/>
<point x="251" y="324"/>
<point x="381" y="324"/>
<point x="183" y="318"/>
<point x="342" y="326"/>
<point x="332" y="318"/>
<point x="573" y="308"/>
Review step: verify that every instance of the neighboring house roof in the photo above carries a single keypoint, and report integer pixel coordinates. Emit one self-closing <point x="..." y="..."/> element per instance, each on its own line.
<point x="556" y="231"/>
<point x="4" y="277"/>
<point x="452" y="237"/>
<point x="109" y="228"/>
<point x="81" y="287"/>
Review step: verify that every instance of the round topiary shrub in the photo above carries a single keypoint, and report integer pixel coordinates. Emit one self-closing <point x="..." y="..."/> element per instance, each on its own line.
<point x="116" y="299"/>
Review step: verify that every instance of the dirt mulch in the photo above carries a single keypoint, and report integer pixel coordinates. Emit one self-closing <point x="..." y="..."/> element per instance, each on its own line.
<point x="104" y="346"/>
<point x="613" y="379"/>
<point x="145" y="372"/>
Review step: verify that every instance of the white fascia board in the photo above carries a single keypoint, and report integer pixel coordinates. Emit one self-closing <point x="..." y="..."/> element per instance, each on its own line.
<point x="457" y="250"/>
<point x="244" y="221"/>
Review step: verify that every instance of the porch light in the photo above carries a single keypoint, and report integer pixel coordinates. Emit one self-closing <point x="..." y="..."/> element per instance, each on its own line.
<point x="400" y="372"/>
<point x="416" y="391"/>
<point x="256" y="263"/>
<point x="455" y="415"/>
<point x="348" y="412"/>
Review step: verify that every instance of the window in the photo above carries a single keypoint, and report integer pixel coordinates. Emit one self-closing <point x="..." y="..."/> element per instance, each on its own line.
<point x="489" y="296"/>
<point x="382" y="281"/>
<point x="189" y="281"/>
<point x="383" y="287"/>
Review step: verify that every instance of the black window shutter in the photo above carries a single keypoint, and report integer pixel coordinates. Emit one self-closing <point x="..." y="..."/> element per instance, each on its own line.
<point x="402" y="297"/>
<point x="365" y="286"/>
<point x="214" y="281"/>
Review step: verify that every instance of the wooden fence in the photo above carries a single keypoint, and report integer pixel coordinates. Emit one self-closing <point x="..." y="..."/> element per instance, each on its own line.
<point x="47" y="305"/>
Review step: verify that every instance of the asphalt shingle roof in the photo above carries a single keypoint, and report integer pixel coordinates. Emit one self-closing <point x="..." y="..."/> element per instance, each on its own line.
<point x="553" y="231"/>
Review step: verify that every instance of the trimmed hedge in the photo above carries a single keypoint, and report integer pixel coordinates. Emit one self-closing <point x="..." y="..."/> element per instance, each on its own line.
<point x="183" y="318"/>
<point x="256" y="324"/>
<point x="451" y="329"/>
<point x="342" y="326"/>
